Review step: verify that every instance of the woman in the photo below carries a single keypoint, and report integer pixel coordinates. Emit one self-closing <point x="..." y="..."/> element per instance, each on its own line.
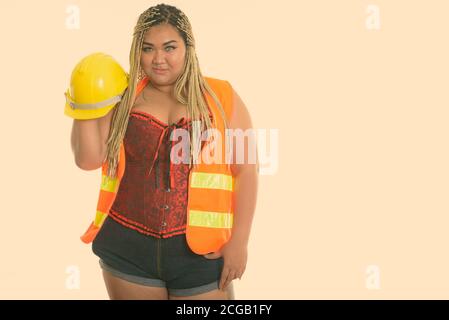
<point x="153" y="242"/>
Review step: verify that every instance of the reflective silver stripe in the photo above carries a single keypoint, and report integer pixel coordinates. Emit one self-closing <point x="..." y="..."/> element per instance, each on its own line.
<point x="92" y="106"/>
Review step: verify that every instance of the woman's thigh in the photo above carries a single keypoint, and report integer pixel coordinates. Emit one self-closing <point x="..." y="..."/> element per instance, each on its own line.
<point x="119" y="289"/>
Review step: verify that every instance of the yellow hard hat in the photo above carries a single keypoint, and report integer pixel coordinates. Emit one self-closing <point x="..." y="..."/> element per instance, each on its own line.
<point x="96" y="85"/>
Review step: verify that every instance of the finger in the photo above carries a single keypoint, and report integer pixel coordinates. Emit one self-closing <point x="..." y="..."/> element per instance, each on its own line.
<point x="229" y="278"/>
<point x="224" y="276"/>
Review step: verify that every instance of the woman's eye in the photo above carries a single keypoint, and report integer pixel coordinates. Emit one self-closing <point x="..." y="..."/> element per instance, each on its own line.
<point x="166" y="48"/>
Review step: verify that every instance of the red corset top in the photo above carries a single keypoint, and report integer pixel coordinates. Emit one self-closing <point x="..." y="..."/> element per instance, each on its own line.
<point x="152" y="195"/>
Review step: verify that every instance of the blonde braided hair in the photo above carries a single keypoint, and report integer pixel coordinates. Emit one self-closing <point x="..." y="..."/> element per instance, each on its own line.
<point x="189" y="87"/>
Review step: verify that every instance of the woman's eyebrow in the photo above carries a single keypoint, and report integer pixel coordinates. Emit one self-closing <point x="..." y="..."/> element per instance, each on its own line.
<point x="150" y="44"/>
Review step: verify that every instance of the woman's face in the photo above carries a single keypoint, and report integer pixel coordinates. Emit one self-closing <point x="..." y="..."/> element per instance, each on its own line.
<point x="163" y="54"/>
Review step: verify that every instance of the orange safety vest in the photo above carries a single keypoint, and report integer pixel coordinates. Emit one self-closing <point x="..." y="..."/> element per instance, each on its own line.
<point x="210" y="205"/>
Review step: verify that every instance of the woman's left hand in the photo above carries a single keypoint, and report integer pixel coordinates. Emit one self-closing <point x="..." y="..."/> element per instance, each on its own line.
<point x="235" y="255"/>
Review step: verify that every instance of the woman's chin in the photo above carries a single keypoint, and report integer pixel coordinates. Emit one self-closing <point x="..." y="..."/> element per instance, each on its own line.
<point x="160" y="78"/>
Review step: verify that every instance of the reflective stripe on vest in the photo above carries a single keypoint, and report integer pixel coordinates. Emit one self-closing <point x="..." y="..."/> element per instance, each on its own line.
<point x="210" y="219"/>
<point x="99" y="218"/>
<point x="108" y="183"/>
<point x="207" y="180"/>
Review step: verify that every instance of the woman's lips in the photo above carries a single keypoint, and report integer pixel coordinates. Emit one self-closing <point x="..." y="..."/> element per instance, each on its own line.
<point x="160" y="71"/>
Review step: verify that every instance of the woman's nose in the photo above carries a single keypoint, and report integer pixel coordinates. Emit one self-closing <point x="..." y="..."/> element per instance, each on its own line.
<point x="159" y="57"/>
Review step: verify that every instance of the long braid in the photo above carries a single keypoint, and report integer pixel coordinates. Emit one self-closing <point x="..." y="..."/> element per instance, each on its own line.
<point x="189" y="89"/>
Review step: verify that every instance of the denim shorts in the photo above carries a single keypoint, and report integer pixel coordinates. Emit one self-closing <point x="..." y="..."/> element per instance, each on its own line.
<point x="150" y="261"/>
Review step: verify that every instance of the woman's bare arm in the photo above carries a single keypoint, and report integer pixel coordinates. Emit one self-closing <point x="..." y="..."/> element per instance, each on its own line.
<point x="89" y="139"/>
<point x="246" y="173"/>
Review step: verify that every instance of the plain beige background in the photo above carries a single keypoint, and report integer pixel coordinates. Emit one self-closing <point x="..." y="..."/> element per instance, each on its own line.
<point x="358" y="206"/>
